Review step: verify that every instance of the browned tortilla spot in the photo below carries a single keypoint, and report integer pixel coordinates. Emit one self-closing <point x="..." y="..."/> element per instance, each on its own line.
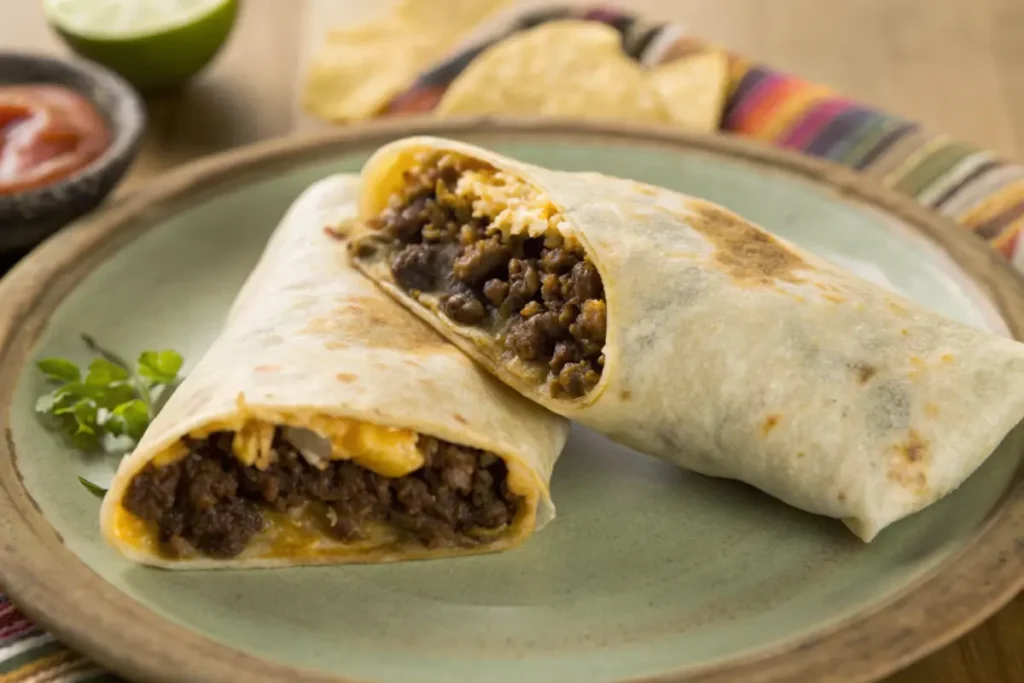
<point x="909" y="461"/>
<point x="841" y="497"/>
<point x="460" y="418"/>
<point x="863" y="372"/>
<point x="835" y="298"/>
<point x="339" y="232"/>
<point x="800" y="454"/>
<point x="625" y="395"/>
<point x="267" y="368"/>
<point x="346" y="377"/>
<point x="946" y="358"/>
<point x="769" y="423"/>
<point x="371" y="322"/>
<point x="914" y="449"/>
<point x="917" y="366"/>
<point x="745" y="252"/>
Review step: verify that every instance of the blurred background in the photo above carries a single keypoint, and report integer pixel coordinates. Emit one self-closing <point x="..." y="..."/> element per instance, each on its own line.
<point x="955" y="65"/>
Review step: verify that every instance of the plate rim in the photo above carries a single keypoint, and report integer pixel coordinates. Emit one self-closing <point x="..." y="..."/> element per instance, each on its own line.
<point x="90" y="614"/>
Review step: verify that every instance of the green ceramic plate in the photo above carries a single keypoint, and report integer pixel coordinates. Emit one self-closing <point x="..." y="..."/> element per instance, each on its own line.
<point x="648" y="572"/>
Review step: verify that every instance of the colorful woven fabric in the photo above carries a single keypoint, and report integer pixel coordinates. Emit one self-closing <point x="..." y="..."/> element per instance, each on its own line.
<point x="30" y="655"/>
<point x="969" y="185"/>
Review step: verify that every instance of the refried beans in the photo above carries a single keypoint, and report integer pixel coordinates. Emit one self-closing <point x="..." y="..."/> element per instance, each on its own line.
<point x="541" y="297"/>
<point x="208" y="502"/>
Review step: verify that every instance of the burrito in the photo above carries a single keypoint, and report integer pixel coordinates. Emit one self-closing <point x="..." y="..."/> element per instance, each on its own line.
<point x="326" y="424"/>
<point x="684" y="331"/>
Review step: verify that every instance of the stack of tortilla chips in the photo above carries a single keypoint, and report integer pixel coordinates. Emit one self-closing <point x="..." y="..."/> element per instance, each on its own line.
<point x="567" y="68"/>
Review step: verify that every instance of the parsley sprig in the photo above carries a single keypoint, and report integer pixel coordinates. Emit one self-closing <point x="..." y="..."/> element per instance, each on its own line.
<point x="110" y="399"/>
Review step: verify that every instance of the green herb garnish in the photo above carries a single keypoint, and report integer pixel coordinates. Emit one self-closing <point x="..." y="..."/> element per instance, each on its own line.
<point x="92" y="488"/>
<point x="110" y="400"/>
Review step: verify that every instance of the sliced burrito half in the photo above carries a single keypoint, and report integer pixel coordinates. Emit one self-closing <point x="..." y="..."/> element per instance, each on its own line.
<point x="681" y="329"/>
<point x="326" y="424"/>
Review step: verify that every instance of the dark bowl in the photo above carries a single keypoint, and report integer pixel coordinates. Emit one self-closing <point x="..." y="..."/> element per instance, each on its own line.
<point x="26" y="218"/>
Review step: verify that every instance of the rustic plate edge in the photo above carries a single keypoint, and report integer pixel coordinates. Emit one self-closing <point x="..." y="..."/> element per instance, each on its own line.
<point x="26" y="302"/>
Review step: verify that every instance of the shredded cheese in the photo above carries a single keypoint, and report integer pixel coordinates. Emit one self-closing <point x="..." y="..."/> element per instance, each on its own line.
<point x="513" y="206"/>
<point x="388" y="451"/>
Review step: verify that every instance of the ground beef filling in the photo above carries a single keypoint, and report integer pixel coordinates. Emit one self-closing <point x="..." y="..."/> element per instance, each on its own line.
<point x="210" y="503"/>
<point x="543" y="300"/>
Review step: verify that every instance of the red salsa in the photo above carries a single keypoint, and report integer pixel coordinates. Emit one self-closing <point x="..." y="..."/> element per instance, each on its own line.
<point x="47" y="132"/>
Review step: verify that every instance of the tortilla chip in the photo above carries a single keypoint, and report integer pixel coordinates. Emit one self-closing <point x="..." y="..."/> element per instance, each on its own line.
<point x="562" y="68"/>
<point x="693" y="89"/>
<point x="360" y="68"/>
<point x="451" y="16"/>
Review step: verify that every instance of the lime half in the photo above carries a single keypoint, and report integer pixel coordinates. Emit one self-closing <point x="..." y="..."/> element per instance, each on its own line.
<point x="154" y="44"/>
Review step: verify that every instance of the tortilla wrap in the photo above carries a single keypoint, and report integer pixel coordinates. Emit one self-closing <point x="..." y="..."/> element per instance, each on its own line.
<point x="313" y="346"/>
<point x="726" y="350"/>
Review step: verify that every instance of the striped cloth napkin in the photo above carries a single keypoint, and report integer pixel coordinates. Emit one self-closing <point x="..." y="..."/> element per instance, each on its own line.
<point x="966" y="184"/>
<point x="971" y="186"/>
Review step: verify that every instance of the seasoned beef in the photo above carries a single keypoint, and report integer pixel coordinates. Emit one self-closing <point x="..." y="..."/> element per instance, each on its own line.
<point x="195" y="503"/>
<point x="481" y="259"/>
<point x="577" y="378"/>
<point x="409" y="220"/>
<point x="463" y="307"/>
<point x="495" y="291"/>
<point x="222" y="530"/>
<point x="585" y="281"/>
<point x="558" y="260"/>
<point x="591" y="323"/>
<point x="208" y="502"/>
<point x="151" y="495"/>
<point x="541" y="297"/>
<point x="414" y="267"/>
<point x="524" y="278"/>
<point x="565" y="352"/>
<point x="530" y="339"/>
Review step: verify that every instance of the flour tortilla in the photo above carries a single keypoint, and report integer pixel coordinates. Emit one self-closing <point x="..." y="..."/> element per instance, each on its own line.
<point x="308" y="337"/>
<point x="736" y="354"/>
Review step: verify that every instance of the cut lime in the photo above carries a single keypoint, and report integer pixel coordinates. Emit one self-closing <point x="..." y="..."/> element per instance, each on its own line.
<point x="154" y="44"/>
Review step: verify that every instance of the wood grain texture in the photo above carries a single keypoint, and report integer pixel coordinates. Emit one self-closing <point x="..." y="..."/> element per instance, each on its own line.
<point x="955" y="65"/>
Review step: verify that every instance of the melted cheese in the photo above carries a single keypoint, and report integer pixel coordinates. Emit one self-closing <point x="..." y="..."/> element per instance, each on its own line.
<point x="304" y="532"/>
<point x="252" y="443"/>
<point x="513" y="206"/>
<point x="388" y="451"/>
<point x="136" y="532"/>
<point x="176" y="451"/>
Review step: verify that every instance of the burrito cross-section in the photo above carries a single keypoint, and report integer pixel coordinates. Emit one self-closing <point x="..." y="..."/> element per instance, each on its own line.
<point x="487" y="250"/>
<point x="327" y="424"/>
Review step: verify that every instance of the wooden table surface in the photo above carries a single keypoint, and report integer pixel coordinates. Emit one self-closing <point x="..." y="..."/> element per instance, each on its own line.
<point x="955" y="65"/>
